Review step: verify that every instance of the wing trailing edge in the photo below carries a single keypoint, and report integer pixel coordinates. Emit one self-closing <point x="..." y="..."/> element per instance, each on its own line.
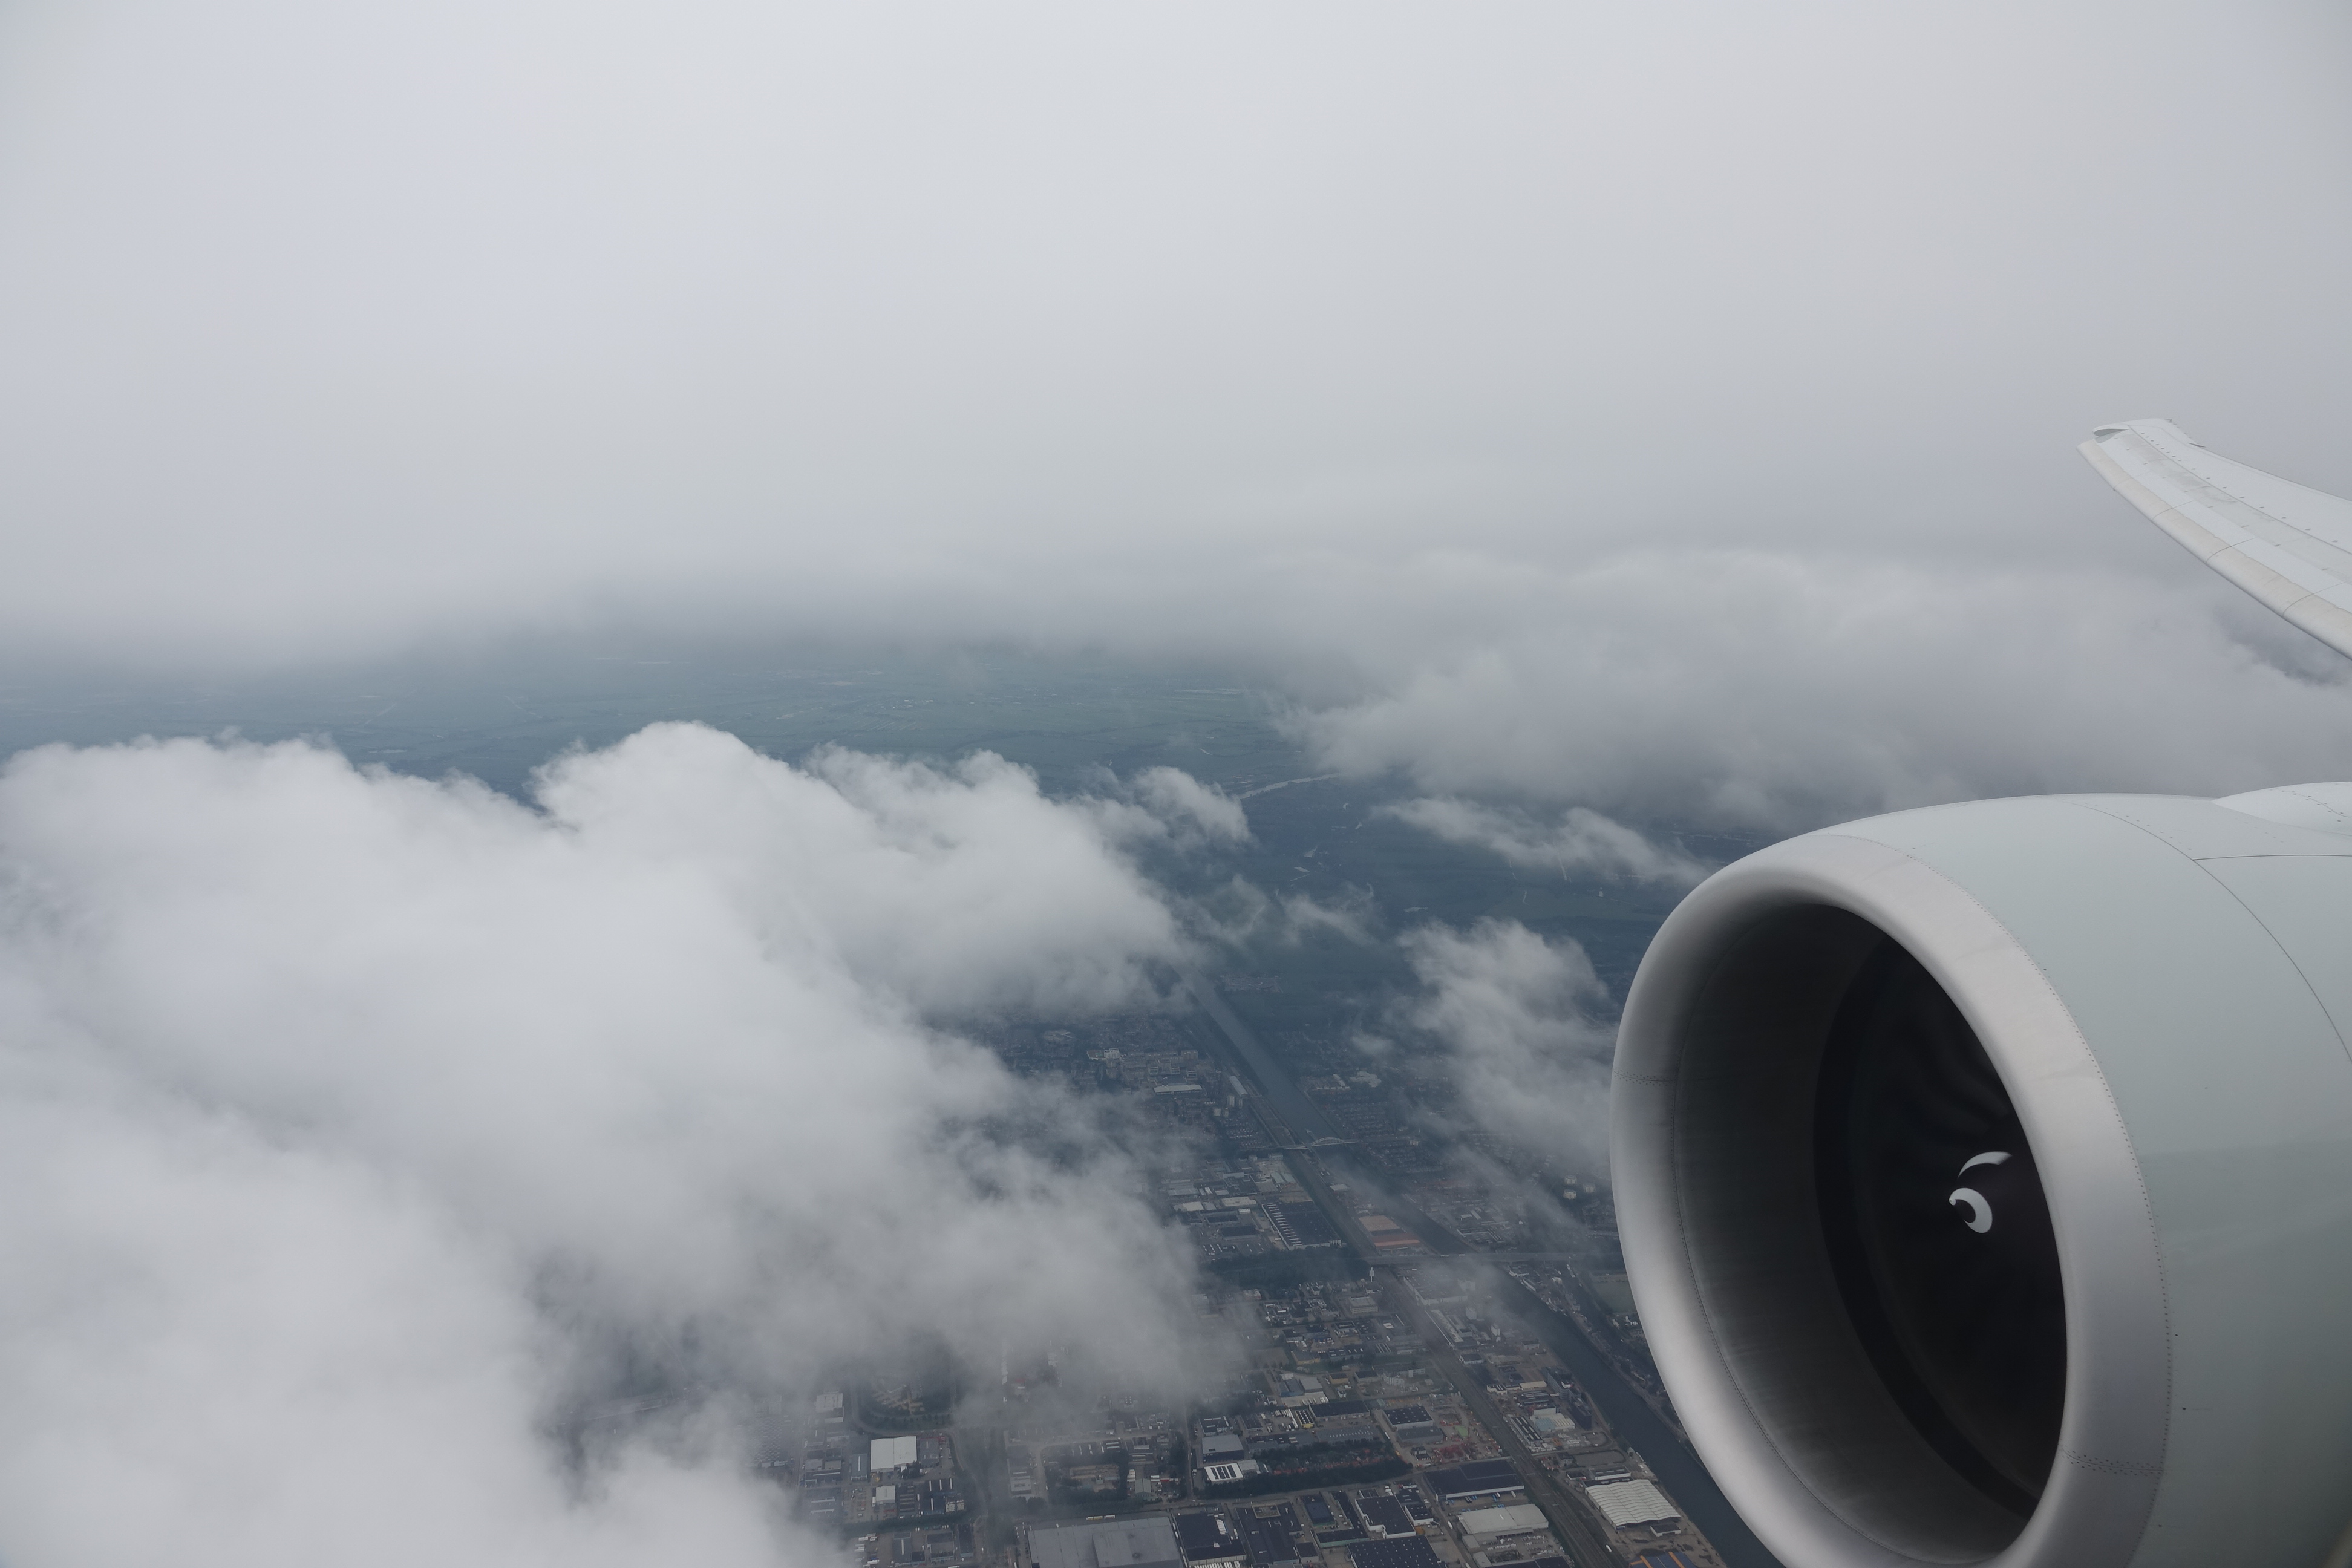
<point x="2288" y="545"/>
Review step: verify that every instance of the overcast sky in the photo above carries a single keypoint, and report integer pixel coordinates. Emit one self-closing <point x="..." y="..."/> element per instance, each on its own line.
<point x="1586" y="415"/>
<point x="338" y="324"/>
<point x="1364" y="342"/>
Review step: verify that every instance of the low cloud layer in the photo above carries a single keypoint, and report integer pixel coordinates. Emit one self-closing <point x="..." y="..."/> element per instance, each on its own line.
<point x="1775" y="691"/>
<point x="1581" y="841"/>
<point x="1522" y="1025"/>
<point x="365" y="1132"/>
<point x="1180" y="809"/>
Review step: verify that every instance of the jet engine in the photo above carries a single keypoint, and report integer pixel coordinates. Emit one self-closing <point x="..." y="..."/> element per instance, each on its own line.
<point x="1985" y="1180"/>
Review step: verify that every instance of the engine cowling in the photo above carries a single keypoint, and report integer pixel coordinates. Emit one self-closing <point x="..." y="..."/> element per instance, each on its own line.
<point x="1985" y="1180"/>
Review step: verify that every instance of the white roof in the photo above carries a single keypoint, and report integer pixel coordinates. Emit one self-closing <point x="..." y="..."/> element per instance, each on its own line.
<point x="889" y="1453"/>
<point x="1507" y="1520"/>
<point x="2287" y="545"/>
<point x="1630" y="1502"/>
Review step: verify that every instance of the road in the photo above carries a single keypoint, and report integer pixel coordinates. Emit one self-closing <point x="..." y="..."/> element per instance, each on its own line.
<point x="1304" y="1118"/>
<point x="1645" y="1431"/>
<point x="1586" y="1548"/>
<point x="1678" y="1468"/>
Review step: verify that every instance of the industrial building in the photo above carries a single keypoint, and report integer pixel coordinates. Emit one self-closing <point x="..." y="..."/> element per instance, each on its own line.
<point x="1510" y="1518"/>
<point x="1383" y="1515"/>
<point x="1397" y="1552"/>
<point x="1478" y="1479"/>
<point x="1148" y="1540"/>
<point x="1210" y="1540"/>
<point x="1624" y="1503"/>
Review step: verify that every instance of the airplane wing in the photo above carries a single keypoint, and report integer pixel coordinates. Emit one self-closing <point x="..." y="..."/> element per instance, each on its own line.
<point x="2289" y="546"/>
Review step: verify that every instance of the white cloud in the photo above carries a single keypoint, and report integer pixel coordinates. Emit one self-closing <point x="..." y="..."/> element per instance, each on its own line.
<point x="1581" y="840"/>
<point x="1176" y="795"/>
<point x="1780" y="692"/>
<point x="362" y="1126"/>
<point x="1516" y="1016"/>
<point x="219" y="1349"/>
<point x="1241" y="914"/>
<point x="1163" y="806"/>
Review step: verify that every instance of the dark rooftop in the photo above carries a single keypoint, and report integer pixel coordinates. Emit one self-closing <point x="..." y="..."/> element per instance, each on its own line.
<point x="1476" y="1479"/>
<point x="1206" y="1535"/>
<point x="1398" y="1551"/>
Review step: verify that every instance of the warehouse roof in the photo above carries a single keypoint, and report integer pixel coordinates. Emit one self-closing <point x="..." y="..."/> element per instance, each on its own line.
<point x="1146" y="1542"/>
<point x="1630" y="1502"/>
<point x="1509" y="1520"/>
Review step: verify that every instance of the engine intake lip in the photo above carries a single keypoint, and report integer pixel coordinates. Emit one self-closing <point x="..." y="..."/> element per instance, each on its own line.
<point x="1712" y="1160"/>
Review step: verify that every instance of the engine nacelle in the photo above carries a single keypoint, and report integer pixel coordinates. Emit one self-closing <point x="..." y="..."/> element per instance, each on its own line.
<point x="1985" y="1180"/>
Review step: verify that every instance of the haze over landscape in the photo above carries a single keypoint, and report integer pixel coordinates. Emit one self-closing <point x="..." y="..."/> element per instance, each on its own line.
<point x="675" y="677"/>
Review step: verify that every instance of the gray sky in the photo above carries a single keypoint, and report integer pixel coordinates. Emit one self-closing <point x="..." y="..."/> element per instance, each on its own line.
<point x="342" y="328"/>
<point x="1376" y="345"/>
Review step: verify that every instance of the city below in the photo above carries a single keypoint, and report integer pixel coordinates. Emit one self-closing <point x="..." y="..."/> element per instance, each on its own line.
<point x="1443" y="1368"/>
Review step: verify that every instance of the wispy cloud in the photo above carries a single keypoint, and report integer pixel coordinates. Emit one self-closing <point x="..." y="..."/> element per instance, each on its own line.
<point x="1581" y="841"/>
<point x="1521" y="1023"/>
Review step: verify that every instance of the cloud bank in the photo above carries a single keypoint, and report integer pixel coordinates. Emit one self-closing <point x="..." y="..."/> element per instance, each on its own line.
<point x="1765" y="691"/>
<point x="365" y="1132"/>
